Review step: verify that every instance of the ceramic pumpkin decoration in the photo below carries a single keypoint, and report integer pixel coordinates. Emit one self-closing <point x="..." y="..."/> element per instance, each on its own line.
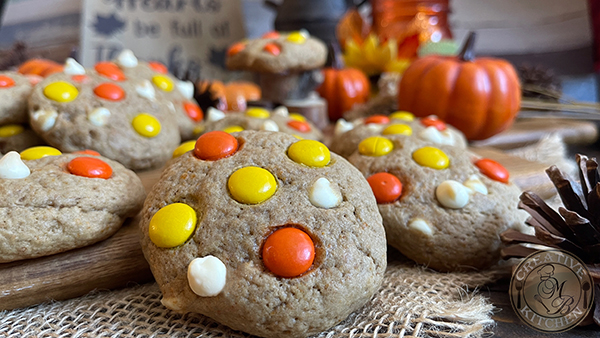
<point x="232" y="96"/>
<point x="479" y="96"/>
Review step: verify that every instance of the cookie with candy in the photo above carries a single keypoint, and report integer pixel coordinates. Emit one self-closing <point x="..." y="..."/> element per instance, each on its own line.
<point x="53" y="202"/>
<point x="264" y="233"/>
<point x="105" y="110"/>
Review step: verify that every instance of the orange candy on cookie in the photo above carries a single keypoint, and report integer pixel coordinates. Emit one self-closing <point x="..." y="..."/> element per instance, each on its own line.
<point x="492" y="169"/>
<point x="193" y="111"/>
<point x="110" y="70"/>
<point x="158" y="67"/>
<point x="236" y="48"/>
<point x="271" y="35"/>
<point x="272" y="49"/>
<point x="6" y="81"/>
<point x="89" y="167"/>
<point x="87" y="152"/>
<point x="377" y="119"/>
<point x="300" y="126"/>
<point x="288" y="252"/>
<point x="386" y="187"/>
<point x="215" y="145"/>
<point x="434" y="122"/>
<point x="80" y="78"/>
<point x="109" y="91"/>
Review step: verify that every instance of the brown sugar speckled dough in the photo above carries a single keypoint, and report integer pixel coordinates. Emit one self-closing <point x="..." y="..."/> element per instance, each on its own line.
<point x="225" y="254"/>
<point x="16" y="137"/>
<point x="447" y="214"/>
<point x="47" y="208"/>
<point x="14" y="92"/>
<point x="102" y="109"/>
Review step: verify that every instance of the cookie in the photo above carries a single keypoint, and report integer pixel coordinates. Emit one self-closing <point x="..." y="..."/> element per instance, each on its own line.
<point x="17" y="137"/>
<point x="274" y="236"/>
<point x="52" y="204"/>
<point x="441" y="206"/>
<point x="262" y="119"/>
<point x="347" y="135"/>
<point x="104" y="111"/>
<point x="278" y="52"/>
<point x="14" y="92"/>
<point x="162" y="84"/>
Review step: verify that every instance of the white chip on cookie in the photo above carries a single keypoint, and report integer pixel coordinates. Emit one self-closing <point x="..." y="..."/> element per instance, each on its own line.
<point x="73" y="67"/>
<point x="281" y="111"/>
<point x="146" y="90"/>
<point x="452" y="194"/>
<point x="186" y="88"/>
<point x="12" y="167"/>
<point x="214" y="114"/>
<point x="127" y="59"/>
<point x="420" y="225"/>
<point x="269" y="126"/>
<point x="342" y="126"/>
<point x="99" y="116"/>
<point x="45" y="118"/>
<point x="207" y="276"/>
<point x="475" y="185"/>
<point x="323" y="194"/>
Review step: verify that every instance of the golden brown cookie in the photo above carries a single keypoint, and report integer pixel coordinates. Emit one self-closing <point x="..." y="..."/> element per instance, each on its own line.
<point x="14" y="92"/>
<point x="17" y="137"/>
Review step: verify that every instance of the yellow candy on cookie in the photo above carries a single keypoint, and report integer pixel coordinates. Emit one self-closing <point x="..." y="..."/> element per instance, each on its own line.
<point x="146" y="125"/>
<point x="309" y="152"/>
<point x="252" y="185"/>
<point x="35" y="153"/>
<point x="172" y="225"/>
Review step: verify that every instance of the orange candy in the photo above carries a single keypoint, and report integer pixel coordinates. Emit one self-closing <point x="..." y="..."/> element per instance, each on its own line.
<point x="377" y="119"/>
<point x="193" y="111"/>
<point x="80" y="78"/>
<point x="492" y="169"/>
<point x="158" y="67"/>
<point x="432" y="121"/>
<point x="271" y="35"/>
<point x="288" y="252"/>
<point x="89" y="167"/>
<point x="109" y="91"/>
<point x="272" y="48"/>
<point x="236" y="48"/>
<point x="300" y="126"/>
<point x="110" y="70"/>
<point x="386" y="187"/>
<point x="6" y="82"/>
<point x="215" y="145"/>
<point x="87" y="152"/>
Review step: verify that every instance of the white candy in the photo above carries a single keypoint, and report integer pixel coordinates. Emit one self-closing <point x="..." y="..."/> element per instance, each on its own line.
<point x="214" y="114"/>
<point x="323" y="194"/>
<point x="186" y="88"/>
<point x="45" y="118"/>
<point x="421" y="226"/>
<point x="281" y="111"/>
<point x="342" y="126"/>
<point x="304" y="33"/>
<point x="431" y="134"/>
<point x="99" y="116"/>
<point x="475" y="185"/>
<point x="269" y="126"/>
<point x="375" y="127"/>
<point x="12" y="167"/>
<point x="207" y="276"/>
<point x="452" y="194"/>
<point x="73" y="67"/>
<point x="146" y="90"/>
<point x="127" y="59"/>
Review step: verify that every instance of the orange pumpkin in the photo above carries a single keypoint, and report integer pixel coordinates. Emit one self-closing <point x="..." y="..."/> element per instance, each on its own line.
<point x="40" y="67"/>
<point x="343" y="88"/>
<point x="480" y="97"/>
<point x="232" y="96"/>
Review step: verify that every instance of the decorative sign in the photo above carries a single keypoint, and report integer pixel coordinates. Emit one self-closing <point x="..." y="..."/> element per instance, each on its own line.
<point x="186" y="35"/>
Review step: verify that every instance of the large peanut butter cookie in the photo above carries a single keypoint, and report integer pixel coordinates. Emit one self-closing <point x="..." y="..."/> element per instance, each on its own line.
<point x="441" y="206"/>
<point x="105" y="110"/>
<point x="52" y="204"/>
<point x="14" y="92"/>
<point x="264" y="233"/>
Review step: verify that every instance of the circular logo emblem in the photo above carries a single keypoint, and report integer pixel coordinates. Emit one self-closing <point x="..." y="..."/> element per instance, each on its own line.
<point x="551" y="291"/>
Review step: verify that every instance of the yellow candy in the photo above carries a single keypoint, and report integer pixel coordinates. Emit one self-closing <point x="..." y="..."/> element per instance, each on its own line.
<point x="146" y="125"/>
<point x="431" y="157"/>
<point x="297" y="117"/>
<point x="296" y="37"/>
<point x="402" y="115"/>
<point x="35" y="153"/>
<point x="198" y="129"/>
<point x="172" y="225"/>
<point x="163" y="82"/>
<point x="61" y="91"/>
<point x="252" y="185"/>
<point x="298" y="137"/>
<point x="184" y="148"/>
<point x="11" y="130"/>
<point x="398" y="129"/>
<point x="259" y="113"/>
<point x="233" y="129"/>
<point x="310" y="153"/>
<point x="375" y="146"/>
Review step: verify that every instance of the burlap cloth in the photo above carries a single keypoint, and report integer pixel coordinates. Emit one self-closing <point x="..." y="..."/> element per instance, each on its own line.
<point x="412" y="302"/>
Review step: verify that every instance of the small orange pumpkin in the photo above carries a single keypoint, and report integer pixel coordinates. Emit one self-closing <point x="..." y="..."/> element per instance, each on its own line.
<point x="232" y="96"/>
<point x="343" y="88"/>
<point x="40" y="67"/>
<point x="480" y="97"/>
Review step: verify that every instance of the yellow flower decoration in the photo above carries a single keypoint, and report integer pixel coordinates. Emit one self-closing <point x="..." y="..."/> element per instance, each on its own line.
<point x="373" y="57"/>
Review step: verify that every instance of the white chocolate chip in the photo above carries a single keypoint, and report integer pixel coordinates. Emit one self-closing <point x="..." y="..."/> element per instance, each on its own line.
<point x="431" y="134"/>
<point x="45" y="118"/>
<point x="146" y="90"/>
<point x="342" y="126"/>
<point x="452" y="194"/>
<point x="269" y="126"/>
<point x="213" y="114"/>
<point x="448" y="137"/>
<point x="475" y="185"/>
<point x="323" y="194"/>
<point x="420" y="225"/>
<point x="171" y="303"/>
<point x="281" y="111"/>
<point x="207" y="276"/>
<point x="73" y="67"/>
<point x="127" y="59"/>
<point x="304" y="33"/>
<point x="375" y="127"/>
<point x="99" y="116"/>
<point x="171" y="106"/>
<point x="12" y="167"/>
<point x="186" y="88"/>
